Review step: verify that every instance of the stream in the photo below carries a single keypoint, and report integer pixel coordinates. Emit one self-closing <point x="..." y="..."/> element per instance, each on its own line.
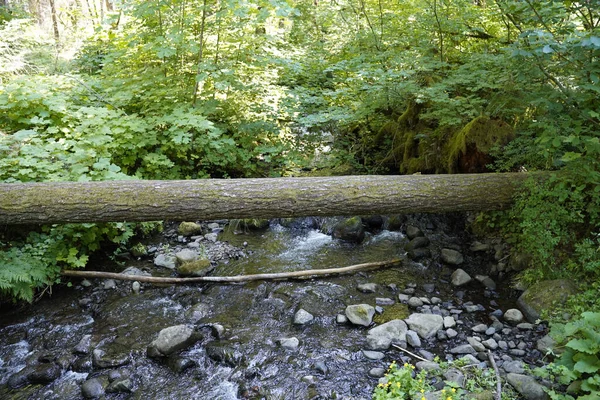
<point x="101" y="330"/>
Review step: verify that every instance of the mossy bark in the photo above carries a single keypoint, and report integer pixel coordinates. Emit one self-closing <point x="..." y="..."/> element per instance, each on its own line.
<point x="191" y="200"/>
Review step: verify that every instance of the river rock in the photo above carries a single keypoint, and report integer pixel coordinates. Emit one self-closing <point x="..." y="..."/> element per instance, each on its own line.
<point x="92" y="388"/>
<point x="454" y="375"/>
<point x="463" y="349"/>
<point x="189" y="228"/>
<point x="349" y="230"/>
<point x="478" y="246"/>
<point x="527" y="386"/>
<point x="165" y="261"/>
<point x="417" y="243"/>
<point x="418" y="254"/>
<point x="373" y="355"/>
<point x="122" y="385"/>
<point x="460" y="278"/>
<point x="341" y="319"/>
<point x="373" y="222"/>
<point x="289" y="343"/>
<point x="412" y="338"/>
<point x="377" y="372"/>
<point x="426" y="325"/>
<point x="415" y="302"/>
<point x="367" y="287"/>
<point x="428" y="366"/>
<point x="541" y="297"/>
<point x="186" y="255"/>
<point x="44" y="373"/>
<point x="514" y="367"/>
<point x="476" y="344"/>
<point x="197" y="312"/>
<point x="360" y="314"/>
<point x="172" y="339"/>
<point x="486" y="281"/>
<point x="302" y="317"/>
<point x="449" y="322"/>
<point x="452" y="257"/>
<point x="545" y="344"/>
<point x="413" y="232"/>
<point x="513" y="316"/>
<point x="381" y="337"/>
<point x="83" y="347"/>
<point x="394" y="222"/>
<point x="198" y="267"/>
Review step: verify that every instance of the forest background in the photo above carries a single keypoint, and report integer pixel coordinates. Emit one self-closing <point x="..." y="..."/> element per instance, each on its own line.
<point x="180" y="89"/>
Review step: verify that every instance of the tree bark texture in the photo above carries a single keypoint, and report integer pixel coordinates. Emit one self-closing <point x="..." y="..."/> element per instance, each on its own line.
<point x="192" y="200"/>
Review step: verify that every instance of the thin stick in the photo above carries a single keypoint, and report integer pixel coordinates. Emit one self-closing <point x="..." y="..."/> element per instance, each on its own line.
<point x="498" y="393"/>
<point x="233" y="279"/>
<point x="409" y="353"/>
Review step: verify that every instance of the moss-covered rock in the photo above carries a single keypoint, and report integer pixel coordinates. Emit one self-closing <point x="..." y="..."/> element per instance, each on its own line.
<point x="350" y="230"/>
<point x="542" y="297"/>
<point x="199" y="267"/>
<point x="468" y="149"/>
<point x="138" y="250"/>
<point x="396" y="311"/>
<point x="189" y="229"/>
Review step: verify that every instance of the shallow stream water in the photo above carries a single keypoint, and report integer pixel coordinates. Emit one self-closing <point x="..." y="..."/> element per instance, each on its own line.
<point x="246" y="362"/>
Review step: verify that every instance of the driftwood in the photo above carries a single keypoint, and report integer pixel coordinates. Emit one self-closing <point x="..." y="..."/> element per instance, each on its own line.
<point x="209" y="199"/>
<point x="409" y="353"/>
<point x="498" y="394"/>
<point x="234" y="279"/>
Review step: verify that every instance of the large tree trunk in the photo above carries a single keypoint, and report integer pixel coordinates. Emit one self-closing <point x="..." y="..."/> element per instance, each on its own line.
<point x="64" y="202"/>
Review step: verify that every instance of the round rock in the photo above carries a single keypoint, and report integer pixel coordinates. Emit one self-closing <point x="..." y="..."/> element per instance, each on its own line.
<point x="360" y="314"/>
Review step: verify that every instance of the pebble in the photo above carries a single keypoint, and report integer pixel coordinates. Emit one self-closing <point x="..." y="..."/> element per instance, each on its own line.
<point x="302" y="317"/>
<point x="377" y="372"/>
<point x="513" y="316"/>
<point x="480" y="328"/>
<point x="341" y="319"/>
<point x="373" y="355"/>
<point x="403" y="298"/>
<point x="412" y="338"/>
<point x="451" y="333"/>
<point x="384" y="301"/>
<point x="367" y="287"/>
<point x="415" y="302"/>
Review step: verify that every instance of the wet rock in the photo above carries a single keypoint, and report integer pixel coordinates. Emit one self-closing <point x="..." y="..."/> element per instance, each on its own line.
<point x="109" y="359"/>
<point x="419" y="254"/>
<point x="92" y="388"/>
<point x="413" y="232"/>
<point x="545" y="344"/>
<point x="19" y="379"/>
<point x="84" y="345"/>
<point x="381" y="337"/>
<point x="541" y="297"/>
<point x="449" y="322"/>
<point x="426" y="325"/>
<point x="373" y="355"/>
<point x="109" y="284"/>
<point x="513" y="316"/>
<point x="476" y="344"/>
<point x="360" y="314"/>
<point x="197" y="312"/>
<point x="429" y="287"/>
<point x="527" y="386"/>
<point x="321" y="367"/>
<point x="452" y="257"/>
<point x="479" y="247"/>
<point x="135" y="287"/>
<point x="165" y="261"/>
<point x="428" y="366"/>
<point x="172" y="339"/>
<point x="454" y="375"/>
<point x="224" y="352"/>
<point x="486" y="281"/>
<point x="525" y="326"/>
<point x="463" y="349"/>
<point x="123" y="385"/>
<point x="44" y="373"/>
<point x="394" y="222"/>
<point x="198" y="267"/>
<point x="417" y="243"/>
<point x="341" y="319"/>
<point x="479" y="328"/>
<point x="460" y="278"/>
<point x="415" y="302"/>
<point x="451" y="333"/>
<point x="384" y="301"/>
<point x="490" y="344"/>
<point x="349" y="230"/>
<point x="189" y="228"/>
<point x="302" y="317"/>
<point x="289" y="343"/>
<point x="367" y="287"/>
<point x="514" y="367"/>
<point x="186" y="256"/>
<point x="412" y="338"/>
<point x="211" y="237"/>
<point x="373" y="222"/>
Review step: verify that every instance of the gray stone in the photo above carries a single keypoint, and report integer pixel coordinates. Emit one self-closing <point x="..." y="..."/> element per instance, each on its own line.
<point x="109" y="284"/>
<point x="460" y="278"/>
<point x="478" y="246"/>
<point x="517" y="352"/>
<point x="419" y="254"/>
<point x="211" y="237"/>
<point x="83" y="347"/>
<point x="189" y="228"/>
<point x="350" y="230"/>
<point x="476" y="344"/>
<point x="490" y="331"/>
<point x="417" y="243"/>
<point x="451" y="257"/>
<point x="545" y="344"/>
<point x="490" y="344"/>
<point x="436" y="300"/>
<point x="197" y="312"/>
<point x="415" y="302"/>
<point x="289" y="343"/>
<point x="412" y="338"/>
<point x="480" y="328"/>
<point x="403" y="298"/>
<point x="213" y="225"/>
<point x="413" y="232"/>
<point x="165" y="261"/>
<point x="513" y="316"/>
<point x="449" y="322"/>
<point x="454" y="375"/>
<point x="426" y="325"/>
<point x="92" y="388"/>
<point x="381" y="337"/>
<point x="373" y="355"/>
<point x="186" y="255"/>
<point x="451" y="333"/>
<point x="360" y="314"/>
<point x="486" y="281"/>
<point x="172" y="339"/>
<point x="463" y="349"/>
<point x="377" y="372"/>
<point x="341" y="319"/>
<point x="543" y="295"/>
<point x="122" y="385"/>
<point x="367" y="287"/>
<point x="110" y="358"/>
<point x="135" y="287"/>
<point x="302" y="317"/>
<point x="503" y="345"/>
<point x="309" y="379"/>
<point x="321" y="367"/>
<point x="428" y="366"/>
<point x="473" y="308"/>
<point x="514" y="367"/>
<point x="525" y="326"/>
<point x="527" y="386"/>
<point x="384" y="301"/>
<point x="428" y="287"/>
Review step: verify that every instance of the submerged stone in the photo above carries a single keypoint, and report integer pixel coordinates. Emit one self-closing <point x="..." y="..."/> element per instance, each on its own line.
<point x="350" y="230"/>
<point x="172" y="339"/>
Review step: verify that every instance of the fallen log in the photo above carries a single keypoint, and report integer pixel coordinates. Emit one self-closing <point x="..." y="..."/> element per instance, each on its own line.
<point x="191" y="200"/>
<point x="311" y="273"/>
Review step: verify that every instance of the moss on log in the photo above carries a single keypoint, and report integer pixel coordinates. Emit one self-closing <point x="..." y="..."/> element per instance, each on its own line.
<point x="189" y="200"/>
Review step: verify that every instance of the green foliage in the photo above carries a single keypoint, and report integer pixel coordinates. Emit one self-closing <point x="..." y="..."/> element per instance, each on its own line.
<point x="579" y="364"/>
<point x="401" y="384"/>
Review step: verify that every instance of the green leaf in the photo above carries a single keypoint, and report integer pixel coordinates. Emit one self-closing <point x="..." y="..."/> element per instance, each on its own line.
<point x="587" y="363"/>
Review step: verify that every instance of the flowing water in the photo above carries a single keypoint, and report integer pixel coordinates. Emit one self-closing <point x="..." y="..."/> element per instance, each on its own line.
<point x="246" y="362"/>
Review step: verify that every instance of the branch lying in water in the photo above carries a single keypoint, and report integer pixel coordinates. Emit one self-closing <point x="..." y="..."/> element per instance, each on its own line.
<point x="235" y="279"/>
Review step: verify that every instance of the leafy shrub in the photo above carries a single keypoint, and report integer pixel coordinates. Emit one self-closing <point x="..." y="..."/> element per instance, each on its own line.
<point x="579" y="364"/>
<point x="401" y="384"/>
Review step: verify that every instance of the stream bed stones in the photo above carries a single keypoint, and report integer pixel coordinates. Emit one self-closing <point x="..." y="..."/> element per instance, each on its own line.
<point x="331" y="337"/>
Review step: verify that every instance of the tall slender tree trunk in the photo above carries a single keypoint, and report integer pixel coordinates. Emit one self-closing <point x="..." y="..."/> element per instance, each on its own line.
<point x="54" y="21"/>
<point x="200" y="54"/>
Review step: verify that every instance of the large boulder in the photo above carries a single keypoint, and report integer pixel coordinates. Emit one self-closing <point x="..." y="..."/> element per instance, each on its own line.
<point x="527" y="386"/>
<point x="381" y="337"/>
<point x="199" y="267"/>
<point x="426" y="325"/>
<point x="360" y="314"/>
<point x="350" y="230"/>
<point x="172" y="339"/>
<point x="543" y="295"/>
<point x="460" y="277"/>
<point x="189" y="228"/>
